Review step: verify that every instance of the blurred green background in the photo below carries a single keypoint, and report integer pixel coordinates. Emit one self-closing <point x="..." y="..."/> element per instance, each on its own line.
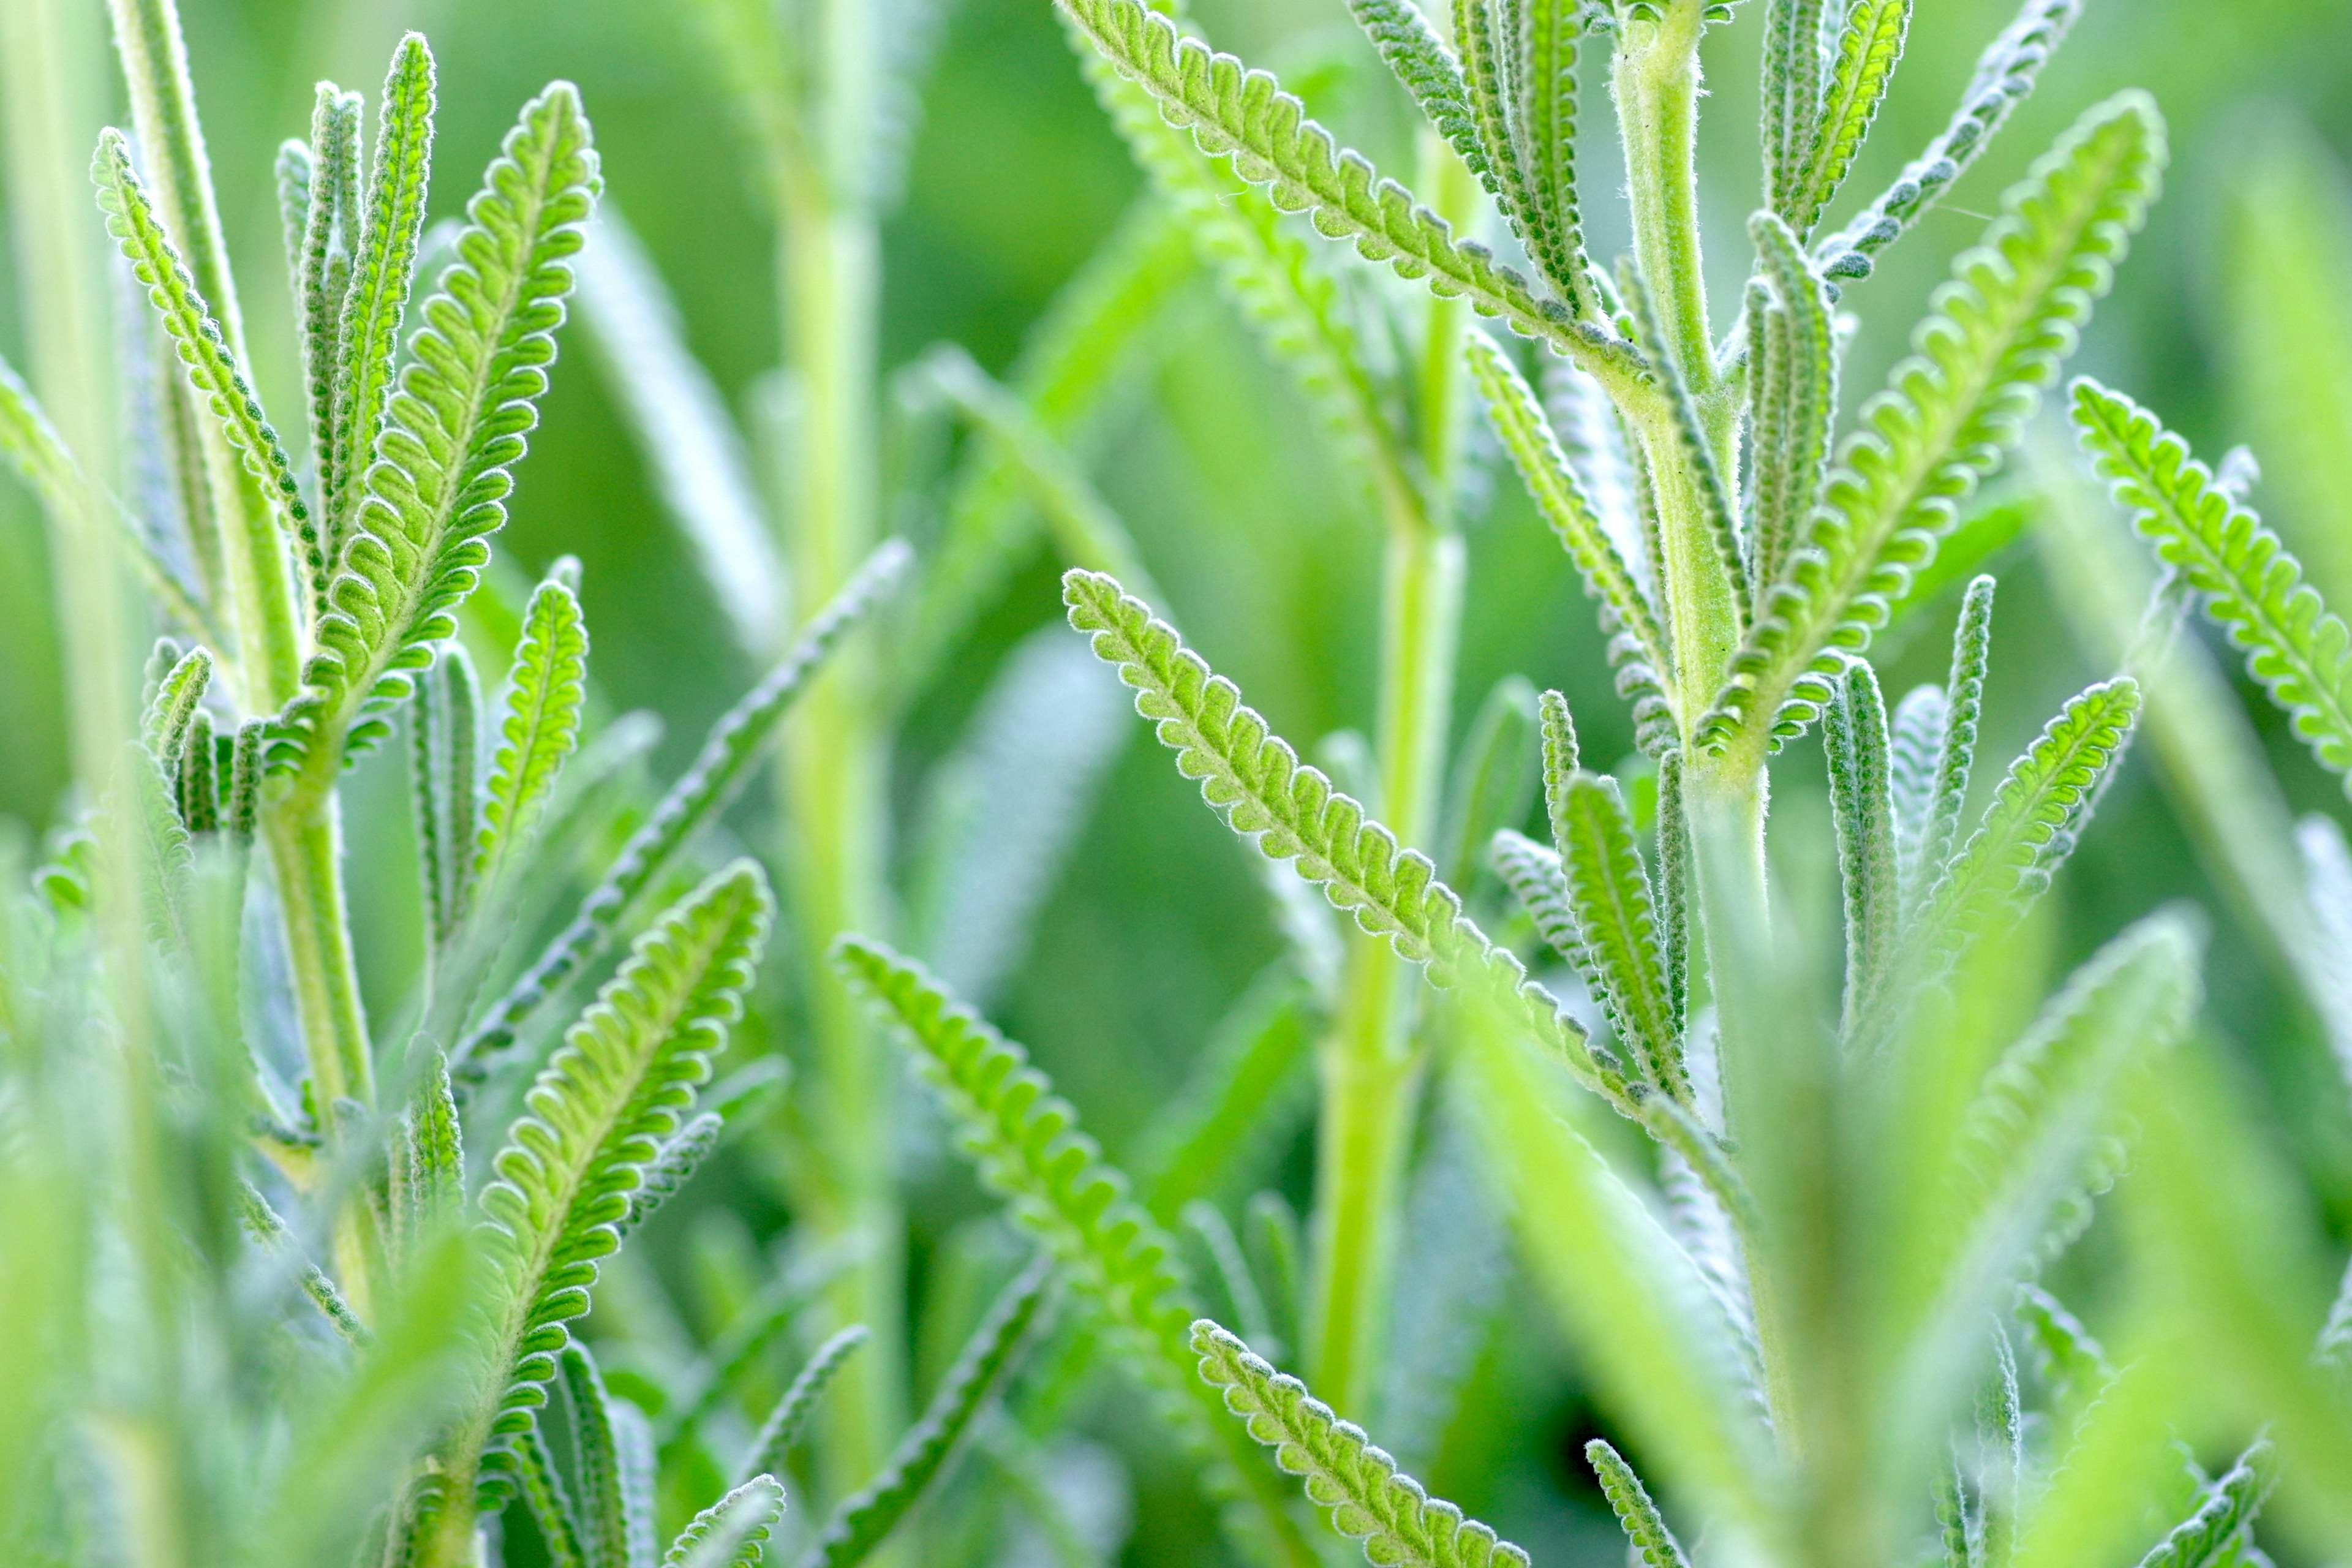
<point x="1014" y="180"/>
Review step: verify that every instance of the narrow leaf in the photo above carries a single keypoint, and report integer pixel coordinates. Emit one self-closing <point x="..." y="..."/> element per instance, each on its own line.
<point x="2005" y="75"/>
<point x="1870" y="41"/>
<point x="596" y="1117"/>
<point x="1030" y="1152"/>
<point x="211" y="365"/>
<point x="734" y="744"/>
<point x="1368" y="1499"/>
<point x="2298" y="648"/>
<point x="774" y="1442"/>
<point x="1645" y="1528"/>
<point x="983" y="1371"/>
<point x="545" y="690"/>
<point x="452" y="431"/>
<point x="732" y="1532"/>
<point x="1561" y="499"/>
<point x="1608" y="896"/>
<point x="1861" y="797"/>
<point x="383" y="243"/>
<point x="2011" y="313"/>
<point x="1231" y="109"/>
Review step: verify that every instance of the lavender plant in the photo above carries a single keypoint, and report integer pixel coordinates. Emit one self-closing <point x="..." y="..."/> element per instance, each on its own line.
<point x="1806" y="1239"/>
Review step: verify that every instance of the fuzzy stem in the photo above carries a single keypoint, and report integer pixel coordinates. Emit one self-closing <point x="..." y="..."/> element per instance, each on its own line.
<point x="834" y="777"/>
<point x="1371" y="1075"/>
<point x="1655" y="77"/>
<point x="251" y="543"/>
<point x="49" y="92"/>
<point x="1728" y="811"/>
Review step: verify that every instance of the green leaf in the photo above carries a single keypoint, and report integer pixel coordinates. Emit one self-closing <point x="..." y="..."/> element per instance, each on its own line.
<point x="1244" y="1088"/>
<point x="1869" y="42"/>
<point x="689" y="442"/>
<point x="1432" y="74"/>
<point x="383" y="259"/>
<point x="1860" y="798"/>
<point x="1713" y="497"/>
<point x="196" y="782"/>
<point x="1233" y="110"/>
<point x="2005" y="75"/>
<point x="446" y="727"/>
<point x="2026" y="1144"/>
<point x="1938" y="827"/>
<point x="2297" y="647"/>
<point x="2288" y="334"/>
<point x="1027" y="1143"/>
<point x="1494" y="69"/>
<point x="2031" y="826"/>
<point x="774" y="1442"/>
<point x="1630" y="1294"/>
<point x="294" y="170"/>
<point x="31" y="445"/>
<point x="1561" y="499"/>
<point x="2223" y="1523"/>
<point x="1277" y="280"/>
<point x="1494" y="775"/>
<point x="728" y="753"/>
<point x="1609" y="897"/>
<point x="2011" y="314"/>
<point x="1792" y="103"/>
<point x="983" y="1371"/>
<point x="546" y="688"/>
<point x="1794" y="393"/>
<point x="454" y="427"/>
<point x="1673" y="882"/>
<point x="674" y="1167"/>
<point x="1537" y="879"/>
<point x="264" y="1225"/>
<point x="2070" y="1363"/>
<point x="1368" y="1499"/>
<point x="596" y="1117"/>
<point x="1084" y="528"/>
<point x="321" y="285"/>
<point x="732" y="1532"/>
<point x="550" y="1506"/>
<point x="1256" y="783"/>
<point x="428" y="1177"/>
<point x="1645" y="1528"/>
<point x="212" y="368"/>
<point x="163" y="728"/>
<point x="1544" y="122"/>
<point x="1916" y="740"/>
<point x="602" y="1503"/>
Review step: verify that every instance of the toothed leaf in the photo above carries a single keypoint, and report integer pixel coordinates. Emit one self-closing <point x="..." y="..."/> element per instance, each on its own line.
<point x="2297" y="647"/>
<point x="438" y="480"/>
<point x="546" y="689"/>
<point x="1232" y="109"/>
<point x="1364" y="1495"/>
<point x="2011" y="313"/>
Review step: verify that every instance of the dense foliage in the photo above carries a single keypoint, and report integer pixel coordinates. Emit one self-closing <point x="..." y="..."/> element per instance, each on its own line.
<point x="429" y="1140"/>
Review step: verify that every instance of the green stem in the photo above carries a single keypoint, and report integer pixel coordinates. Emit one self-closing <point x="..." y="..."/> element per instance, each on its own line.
<point x="50" y="91"/>
<point x="1371" y="1074"/>
<point x="1727" y="808"/>
<point x="250" y="541"/>
<point x="302" y="829"/>
<point x="306" y="848"/>
<point x="1655" y="77"/>
<point x="835" y="778"/>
